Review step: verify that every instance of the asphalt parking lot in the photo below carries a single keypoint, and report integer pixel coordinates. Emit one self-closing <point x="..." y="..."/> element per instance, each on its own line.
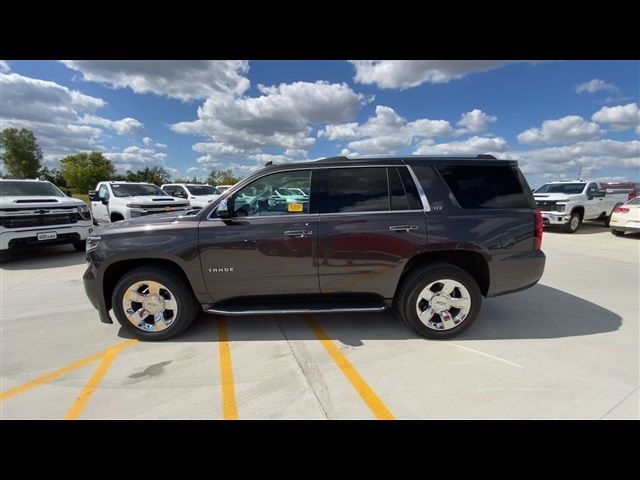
<point x="567" y="348"/>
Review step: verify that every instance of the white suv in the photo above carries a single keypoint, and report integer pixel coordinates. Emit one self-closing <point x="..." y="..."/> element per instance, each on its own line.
<point x="199" y="195"/>
<point x="36" y="212"/>
<point x="114" y="201"/>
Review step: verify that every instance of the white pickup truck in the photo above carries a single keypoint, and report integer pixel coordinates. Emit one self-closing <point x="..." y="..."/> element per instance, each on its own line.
<point x="36" y="213"/>
<point x="567" y="204"/>
<point x="114" y="201"/>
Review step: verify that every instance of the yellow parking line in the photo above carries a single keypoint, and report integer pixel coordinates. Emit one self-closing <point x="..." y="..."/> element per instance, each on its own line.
<point x="94" y="382"/>
<point x="57" y="373"/>
<point x="229" y="404"/>
<point x="375" y="404"/>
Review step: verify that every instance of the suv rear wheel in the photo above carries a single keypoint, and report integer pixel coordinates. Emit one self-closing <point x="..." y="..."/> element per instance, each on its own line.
<point x="154" y="303"/>
<point x="439" y="301"/>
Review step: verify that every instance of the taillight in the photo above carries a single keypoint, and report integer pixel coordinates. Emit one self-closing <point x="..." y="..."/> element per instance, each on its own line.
<point x="537" y="233"/>
<point x="620" y="210"/>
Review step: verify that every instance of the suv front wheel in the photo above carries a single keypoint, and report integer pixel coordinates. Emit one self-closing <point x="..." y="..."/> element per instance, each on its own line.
<point x="154" y="303"/>
<point x="439" y="301"/>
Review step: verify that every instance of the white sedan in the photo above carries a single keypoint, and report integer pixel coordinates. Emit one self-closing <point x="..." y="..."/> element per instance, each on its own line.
<point x="626" y="218"/>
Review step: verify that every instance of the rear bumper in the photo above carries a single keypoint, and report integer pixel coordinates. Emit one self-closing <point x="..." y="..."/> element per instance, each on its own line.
<point x="513" y="272"/>
<point x="555" y="218"/>
<point x="93" y="289"/>
<point x="28" y="237"/>
<point x="626" y="228"/>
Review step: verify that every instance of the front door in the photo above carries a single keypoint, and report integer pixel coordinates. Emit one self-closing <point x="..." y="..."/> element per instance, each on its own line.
<point x="375" y="222"/>
<point x="268" y="246"/>
<point x="101" y="211"/>
<point x="593" y="205"/>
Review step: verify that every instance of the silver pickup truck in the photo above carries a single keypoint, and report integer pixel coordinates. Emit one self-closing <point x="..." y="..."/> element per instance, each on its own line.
<point x="567" y="204"/>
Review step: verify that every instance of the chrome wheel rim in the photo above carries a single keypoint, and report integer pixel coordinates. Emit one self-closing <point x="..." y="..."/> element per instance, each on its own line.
<point x="574" y="223"/>
<point x="443" y="304"/>
<point x="150" y="306"/>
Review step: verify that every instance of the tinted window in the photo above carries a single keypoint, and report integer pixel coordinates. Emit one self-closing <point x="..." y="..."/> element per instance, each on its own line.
<point x="358" y="190"/>
<point x="485" y="186"/>
<point x="202" y="190"/>
<point x="135" y="189"/>
<point x="568" y="188"/>
<point x="396" y="191"/>
<point x="410" y="189"/>
<point x="261" y="197"/>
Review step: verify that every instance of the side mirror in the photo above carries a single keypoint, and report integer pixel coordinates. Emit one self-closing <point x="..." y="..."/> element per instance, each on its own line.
<point x="93" y="196"/>
<point x="225" y="208"/>
<point x="104" y="201"/>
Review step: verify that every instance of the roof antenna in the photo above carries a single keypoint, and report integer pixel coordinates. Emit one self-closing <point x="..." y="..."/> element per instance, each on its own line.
<point x="580" y="171"/>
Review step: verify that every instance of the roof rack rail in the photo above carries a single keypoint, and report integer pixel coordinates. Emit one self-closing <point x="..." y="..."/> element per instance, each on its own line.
<point x="486" y="155"/>
<point x="332" y="159"/>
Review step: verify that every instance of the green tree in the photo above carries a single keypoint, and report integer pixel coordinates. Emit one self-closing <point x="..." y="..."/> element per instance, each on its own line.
<point x="157" y="175"/>
<point x="54" y="176"/>
<point x="82" y="171"/>
<point x="21" y="154"/>
<point x="222" y="177"/>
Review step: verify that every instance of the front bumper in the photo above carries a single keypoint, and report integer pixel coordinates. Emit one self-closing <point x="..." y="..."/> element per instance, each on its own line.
<point x="10" y="238"/>
<point x="555" y="218"/>
<point x="94" y="292"/>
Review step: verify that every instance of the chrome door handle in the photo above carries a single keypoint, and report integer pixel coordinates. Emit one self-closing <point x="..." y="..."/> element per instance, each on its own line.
<point x="298" y="233"/>
<point x="403" y="228"/>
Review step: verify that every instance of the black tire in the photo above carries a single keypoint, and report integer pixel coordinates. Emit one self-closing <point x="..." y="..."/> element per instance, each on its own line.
<point x="418" y="279"/>
<point x="187" y="304"/>
<point x="617" y="233"/>
<point x="569" y="227"/>
<point x="80" y="245"/>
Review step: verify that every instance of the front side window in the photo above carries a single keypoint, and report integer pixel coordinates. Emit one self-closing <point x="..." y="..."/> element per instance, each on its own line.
<point x="103" y="192"/>
<point x="275" y="194"/>
<point x="358" y="190"/>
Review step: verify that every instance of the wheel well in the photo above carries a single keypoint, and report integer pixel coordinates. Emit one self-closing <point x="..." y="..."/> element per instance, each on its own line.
<point x="115" y="216"/>
<point x="472" y="262"/>
<point x="579" y="210"/>
<point x="116" y="271"/>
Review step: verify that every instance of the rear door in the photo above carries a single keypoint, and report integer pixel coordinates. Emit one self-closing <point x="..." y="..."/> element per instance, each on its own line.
<point x="371" y="224"/>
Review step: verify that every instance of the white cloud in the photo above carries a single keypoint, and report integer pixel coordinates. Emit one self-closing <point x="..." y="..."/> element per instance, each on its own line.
<point x="126" y="126"/>
<point x="63" y="120"/>
<point x="590" y="157"/>
<point x="134" y="158"/>
<point x="596" y="85"/>
<point x="282" y="117"/>
<point x="4" y="67"/>
<point x="471" y="146"/>
<point x="148" y="142"/>
<point x="385" y="132"/>
<point x="182" y="79"/>
<point x="475" y="121"/>
<point x="567" y="129"/>
<point x="411" y="73"/>
<point x="620" y="117"/>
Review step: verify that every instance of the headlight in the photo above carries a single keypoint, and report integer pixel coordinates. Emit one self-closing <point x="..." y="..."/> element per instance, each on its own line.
<point x="84" y="212"/>
<point x="93" y="242"/>
<point x="560" y="208"/>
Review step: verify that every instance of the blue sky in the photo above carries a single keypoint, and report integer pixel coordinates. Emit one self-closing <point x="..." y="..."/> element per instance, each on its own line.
<point x="194" y="116"/>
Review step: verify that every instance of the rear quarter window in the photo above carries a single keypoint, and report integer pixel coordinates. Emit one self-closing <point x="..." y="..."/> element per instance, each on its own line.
<point x="486" y="186"/>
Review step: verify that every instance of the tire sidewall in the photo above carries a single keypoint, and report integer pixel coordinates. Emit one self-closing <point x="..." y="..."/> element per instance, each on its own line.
<point x="423" y="278"/>
<point x="569" y="229"/>
<point x="184" y="299"/>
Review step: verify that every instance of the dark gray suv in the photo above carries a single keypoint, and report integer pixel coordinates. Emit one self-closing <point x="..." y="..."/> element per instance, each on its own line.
<point x="428" y="236"/>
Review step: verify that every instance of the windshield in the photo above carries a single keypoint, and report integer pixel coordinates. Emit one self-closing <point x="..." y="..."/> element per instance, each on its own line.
<point x="22" y="189"/>
<point x="223" y="188"/>
<point x="136" y="190"/>
<point x="202" y="190"/>
<point x="569" y="188"/>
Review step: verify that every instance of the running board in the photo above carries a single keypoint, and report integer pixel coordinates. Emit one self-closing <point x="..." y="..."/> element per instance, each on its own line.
<point x="223" y="311"/>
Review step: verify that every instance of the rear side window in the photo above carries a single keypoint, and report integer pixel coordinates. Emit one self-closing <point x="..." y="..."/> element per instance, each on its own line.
<point x="482" y="186"/>
<point x="410" y="188"/>
<point x="358" y="190"/>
